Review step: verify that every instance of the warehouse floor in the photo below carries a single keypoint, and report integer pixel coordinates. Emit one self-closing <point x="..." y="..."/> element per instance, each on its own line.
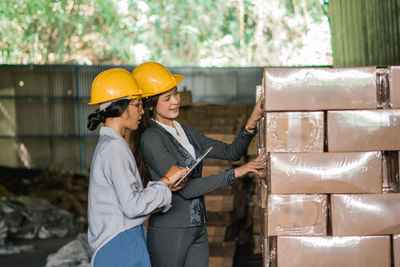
<point x="42" y="248"/>
<point x="37" y="257"/>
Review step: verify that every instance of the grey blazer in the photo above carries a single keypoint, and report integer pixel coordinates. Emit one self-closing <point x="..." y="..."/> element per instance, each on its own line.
<point x="161" y="150"/>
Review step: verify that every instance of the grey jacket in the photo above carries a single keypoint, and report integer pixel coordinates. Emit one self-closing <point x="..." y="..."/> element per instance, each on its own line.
<point x="161" y="150"/>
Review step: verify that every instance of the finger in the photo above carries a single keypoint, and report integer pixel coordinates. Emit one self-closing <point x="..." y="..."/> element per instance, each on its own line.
<point x="261" y="155"/>
<point x="258" y="158"/>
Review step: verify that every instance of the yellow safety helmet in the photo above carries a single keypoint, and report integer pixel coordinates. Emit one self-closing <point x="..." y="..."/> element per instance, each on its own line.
<point x="153" y="78"/>
<point x="113" y="84"/>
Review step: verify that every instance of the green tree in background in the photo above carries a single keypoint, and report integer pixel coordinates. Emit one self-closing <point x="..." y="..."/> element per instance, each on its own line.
<point x="175" y="33"/>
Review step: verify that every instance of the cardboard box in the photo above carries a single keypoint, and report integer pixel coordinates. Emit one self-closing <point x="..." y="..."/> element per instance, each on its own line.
<point x="263" y="194"/>
<point x="320" y="88"/>
<point x="394" y="86"/>
<point x="263" y="172"/>
<point x="269" y="251"/>
<point x="302" y="173"/>
<point x="297" y="215"/>
<point x="365" y="214"/>
<point x="261" y="133"/>
<point x="364" y="130"/>
<point x="396" y="250"/>
<point x="295" y="132"/>
<point x="354" y="251"/>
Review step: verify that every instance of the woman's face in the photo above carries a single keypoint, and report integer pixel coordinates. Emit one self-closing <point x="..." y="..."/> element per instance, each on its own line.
<point x="134" y="113"/>
<point x="167" y="108"/>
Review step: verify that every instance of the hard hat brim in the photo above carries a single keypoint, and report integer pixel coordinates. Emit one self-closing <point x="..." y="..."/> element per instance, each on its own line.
<point x="177" y="77"/>
<point x="130" y="97"/>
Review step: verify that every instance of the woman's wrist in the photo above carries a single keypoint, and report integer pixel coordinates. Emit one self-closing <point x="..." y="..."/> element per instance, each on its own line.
<point x="250" y="127"/>
<point x="166" y="180"/>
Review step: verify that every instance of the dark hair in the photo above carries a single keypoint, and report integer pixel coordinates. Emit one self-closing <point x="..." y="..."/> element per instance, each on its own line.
<point x="149" y="105"/>
<point x="114" y="110"/>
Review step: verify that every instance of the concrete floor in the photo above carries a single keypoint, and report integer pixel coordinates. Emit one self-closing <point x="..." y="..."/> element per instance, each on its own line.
<point x="37" y="257"/>
<point x="42" y="248"/>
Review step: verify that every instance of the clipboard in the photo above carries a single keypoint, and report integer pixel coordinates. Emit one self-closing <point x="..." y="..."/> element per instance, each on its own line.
<point x="198" y="160"/>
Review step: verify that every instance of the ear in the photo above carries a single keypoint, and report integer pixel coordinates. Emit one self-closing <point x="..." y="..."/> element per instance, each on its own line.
<point x="125" y="115"/>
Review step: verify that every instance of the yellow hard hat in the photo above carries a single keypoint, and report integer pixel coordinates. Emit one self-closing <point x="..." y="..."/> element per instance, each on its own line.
<point x="153" y="78"/>
<point x="113" y="84"/>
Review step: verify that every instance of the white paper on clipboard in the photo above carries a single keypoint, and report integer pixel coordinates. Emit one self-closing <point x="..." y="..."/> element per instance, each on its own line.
<point x="198" y="160"/>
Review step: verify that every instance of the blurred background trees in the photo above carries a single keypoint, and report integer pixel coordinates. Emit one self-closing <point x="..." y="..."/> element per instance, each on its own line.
<point x="176" y="33"/>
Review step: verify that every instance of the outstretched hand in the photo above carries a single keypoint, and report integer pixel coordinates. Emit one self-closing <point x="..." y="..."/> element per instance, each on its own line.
<point x="255" y="116"/>
<point x="254" y="166"/>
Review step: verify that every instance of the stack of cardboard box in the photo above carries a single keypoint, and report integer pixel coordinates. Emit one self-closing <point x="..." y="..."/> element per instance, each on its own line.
<point x="330" y="192"/>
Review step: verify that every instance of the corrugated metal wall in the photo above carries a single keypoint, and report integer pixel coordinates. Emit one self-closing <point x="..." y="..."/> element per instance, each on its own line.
<point x="365" y="32"/>
<point x="43" y="109"/>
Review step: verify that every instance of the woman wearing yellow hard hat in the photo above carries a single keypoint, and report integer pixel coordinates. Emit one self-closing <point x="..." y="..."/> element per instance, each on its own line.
<point x="178" y="237"/>
<point x="118" y="203"/>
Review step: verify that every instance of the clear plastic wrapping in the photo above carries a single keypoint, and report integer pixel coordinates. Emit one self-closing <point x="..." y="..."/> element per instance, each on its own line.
<point x="263" y="172"/>
<point x="390" y="172"/>
<point x="297" y="215"/>
<point x="382" y="91"/>
<point x="319" y="172"/>
<point x="263" y="194"/>
<point x="295" y="131"/>
<point x="269" y="251"/>
<point x="363" y="130"/>
<point x="394" y="86"/>
<point x="396" y="250"/>
<point x="320" y="88"/>
<point x="354" y="251"/>
<point x="261" y="132"/>
<point x="365" y="214"/>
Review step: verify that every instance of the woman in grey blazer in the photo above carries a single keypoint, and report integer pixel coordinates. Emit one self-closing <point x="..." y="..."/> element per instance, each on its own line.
<point x="179" y="237"/>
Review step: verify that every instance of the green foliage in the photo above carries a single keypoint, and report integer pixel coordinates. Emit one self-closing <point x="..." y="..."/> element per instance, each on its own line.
<point x="175" y="33"/>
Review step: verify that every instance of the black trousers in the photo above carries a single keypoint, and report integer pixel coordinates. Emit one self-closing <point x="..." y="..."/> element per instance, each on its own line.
<point x="178" y="247"/>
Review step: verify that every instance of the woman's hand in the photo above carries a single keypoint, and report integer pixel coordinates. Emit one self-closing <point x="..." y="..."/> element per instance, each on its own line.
<point x="254" y="166"/>
<point x="173" y="175"/>
<point x="180" y="186"/>
<point x="255" y="116"/>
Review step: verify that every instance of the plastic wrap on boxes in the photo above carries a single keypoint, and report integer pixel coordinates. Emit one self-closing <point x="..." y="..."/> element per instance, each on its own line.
<point x="365" y="214"/>
<point x="259" y="92"/>
<point x="269" y="251"/>
<point x="352" y="251"/>
<point x="261" y="133"/>
<point x="320" y="88"/>
<point x="396" y="250"/>
<point x="263" y="194"/>
<point x="295" y="131"/>
<point x="297" y="215"/>
<point x="394" y="86"/>
<point x="302" y="173"/>
<point x="363" y="130"/>
<point x="390" y="172"/>
<point x="263" y="172"/>
<point x="382" y="84"/>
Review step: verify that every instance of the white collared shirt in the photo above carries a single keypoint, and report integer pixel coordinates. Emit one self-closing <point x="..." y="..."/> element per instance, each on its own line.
<point x="182" y="138"/>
